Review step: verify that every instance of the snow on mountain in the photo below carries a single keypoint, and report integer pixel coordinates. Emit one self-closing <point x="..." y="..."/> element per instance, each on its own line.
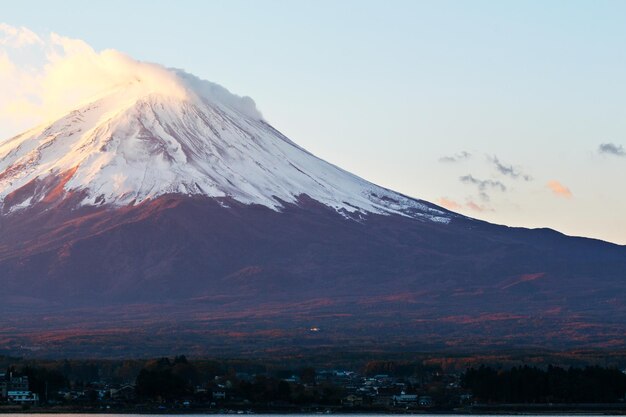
<point x="186" y="136"/>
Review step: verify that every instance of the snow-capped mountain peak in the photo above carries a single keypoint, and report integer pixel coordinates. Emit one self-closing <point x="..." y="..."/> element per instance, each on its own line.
<point x="183" y="135"/>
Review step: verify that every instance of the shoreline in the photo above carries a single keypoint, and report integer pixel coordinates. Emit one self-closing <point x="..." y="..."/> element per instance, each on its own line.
<point x="616" y="409"/>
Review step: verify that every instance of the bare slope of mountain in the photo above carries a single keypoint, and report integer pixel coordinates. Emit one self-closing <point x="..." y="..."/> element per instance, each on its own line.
<point x="183" y="213"/>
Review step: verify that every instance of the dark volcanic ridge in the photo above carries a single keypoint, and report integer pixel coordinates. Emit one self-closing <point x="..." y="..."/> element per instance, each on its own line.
<point x="190" y="274"/>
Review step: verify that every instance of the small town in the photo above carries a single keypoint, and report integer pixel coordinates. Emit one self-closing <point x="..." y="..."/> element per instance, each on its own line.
<point x="181" y="385"/>
<point x="304" y="390"/>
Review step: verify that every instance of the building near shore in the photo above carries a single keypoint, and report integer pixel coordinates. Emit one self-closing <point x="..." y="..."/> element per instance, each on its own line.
<point x="22" y="397"/>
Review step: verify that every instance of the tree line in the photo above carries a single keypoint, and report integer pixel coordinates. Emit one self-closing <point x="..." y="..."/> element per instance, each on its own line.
<point x="167" y="380"/>
<point x="526" y="384"/>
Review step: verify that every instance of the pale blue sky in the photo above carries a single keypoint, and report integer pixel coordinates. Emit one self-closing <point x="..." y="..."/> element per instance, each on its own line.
<point x="387" y="88"/>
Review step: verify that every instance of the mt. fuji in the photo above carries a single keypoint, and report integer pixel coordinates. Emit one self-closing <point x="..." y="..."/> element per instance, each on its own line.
<point x="139" y="142"/>
<point x="172" y="204"/>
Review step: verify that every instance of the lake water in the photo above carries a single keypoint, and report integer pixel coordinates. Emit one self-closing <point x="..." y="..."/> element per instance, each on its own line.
<point x="303" y="414"/>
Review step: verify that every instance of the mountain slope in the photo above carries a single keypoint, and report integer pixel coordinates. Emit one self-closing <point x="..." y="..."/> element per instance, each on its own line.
<point x="180" y="211"/>
<point x="214" y="275"/>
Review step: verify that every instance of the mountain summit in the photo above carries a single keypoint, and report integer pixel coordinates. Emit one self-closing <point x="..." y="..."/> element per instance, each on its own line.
<point x="167" y="205"/>
<point x="189" y="137"/>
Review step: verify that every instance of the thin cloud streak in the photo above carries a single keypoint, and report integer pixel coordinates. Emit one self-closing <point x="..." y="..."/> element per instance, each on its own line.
<point x="477" y="207"/>
<point x="508" y="170"/>
<point x="456" y="206"/>
<point x="482" y="185"/>
<point x="461" y="156"/>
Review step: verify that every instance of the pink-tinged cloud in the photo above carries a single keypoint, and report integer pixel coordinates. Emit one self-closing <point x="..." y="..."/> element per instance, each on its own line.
<point x="449" y="204"/>
<point x="477" y="207"/>
<point x="456" y="206"/>
<point x="559" y="189"/>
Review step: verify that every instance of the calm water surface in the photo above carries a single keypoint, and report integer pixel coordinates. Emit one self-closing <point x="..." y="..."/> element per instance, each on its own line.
<point x="303" y="414"/>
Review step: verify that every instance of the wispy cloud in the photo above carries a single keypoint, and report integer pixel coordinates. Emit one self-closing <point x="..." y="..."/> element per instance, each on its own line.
<point x="477" y="207"/>
<point x="457" y="206"/>
<point x="482" y="185"/>
<point x="559" y="189"/>
<point x="461" y="156"/>
<point x="612" y="149"/>
<point x="508" y="170"/>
